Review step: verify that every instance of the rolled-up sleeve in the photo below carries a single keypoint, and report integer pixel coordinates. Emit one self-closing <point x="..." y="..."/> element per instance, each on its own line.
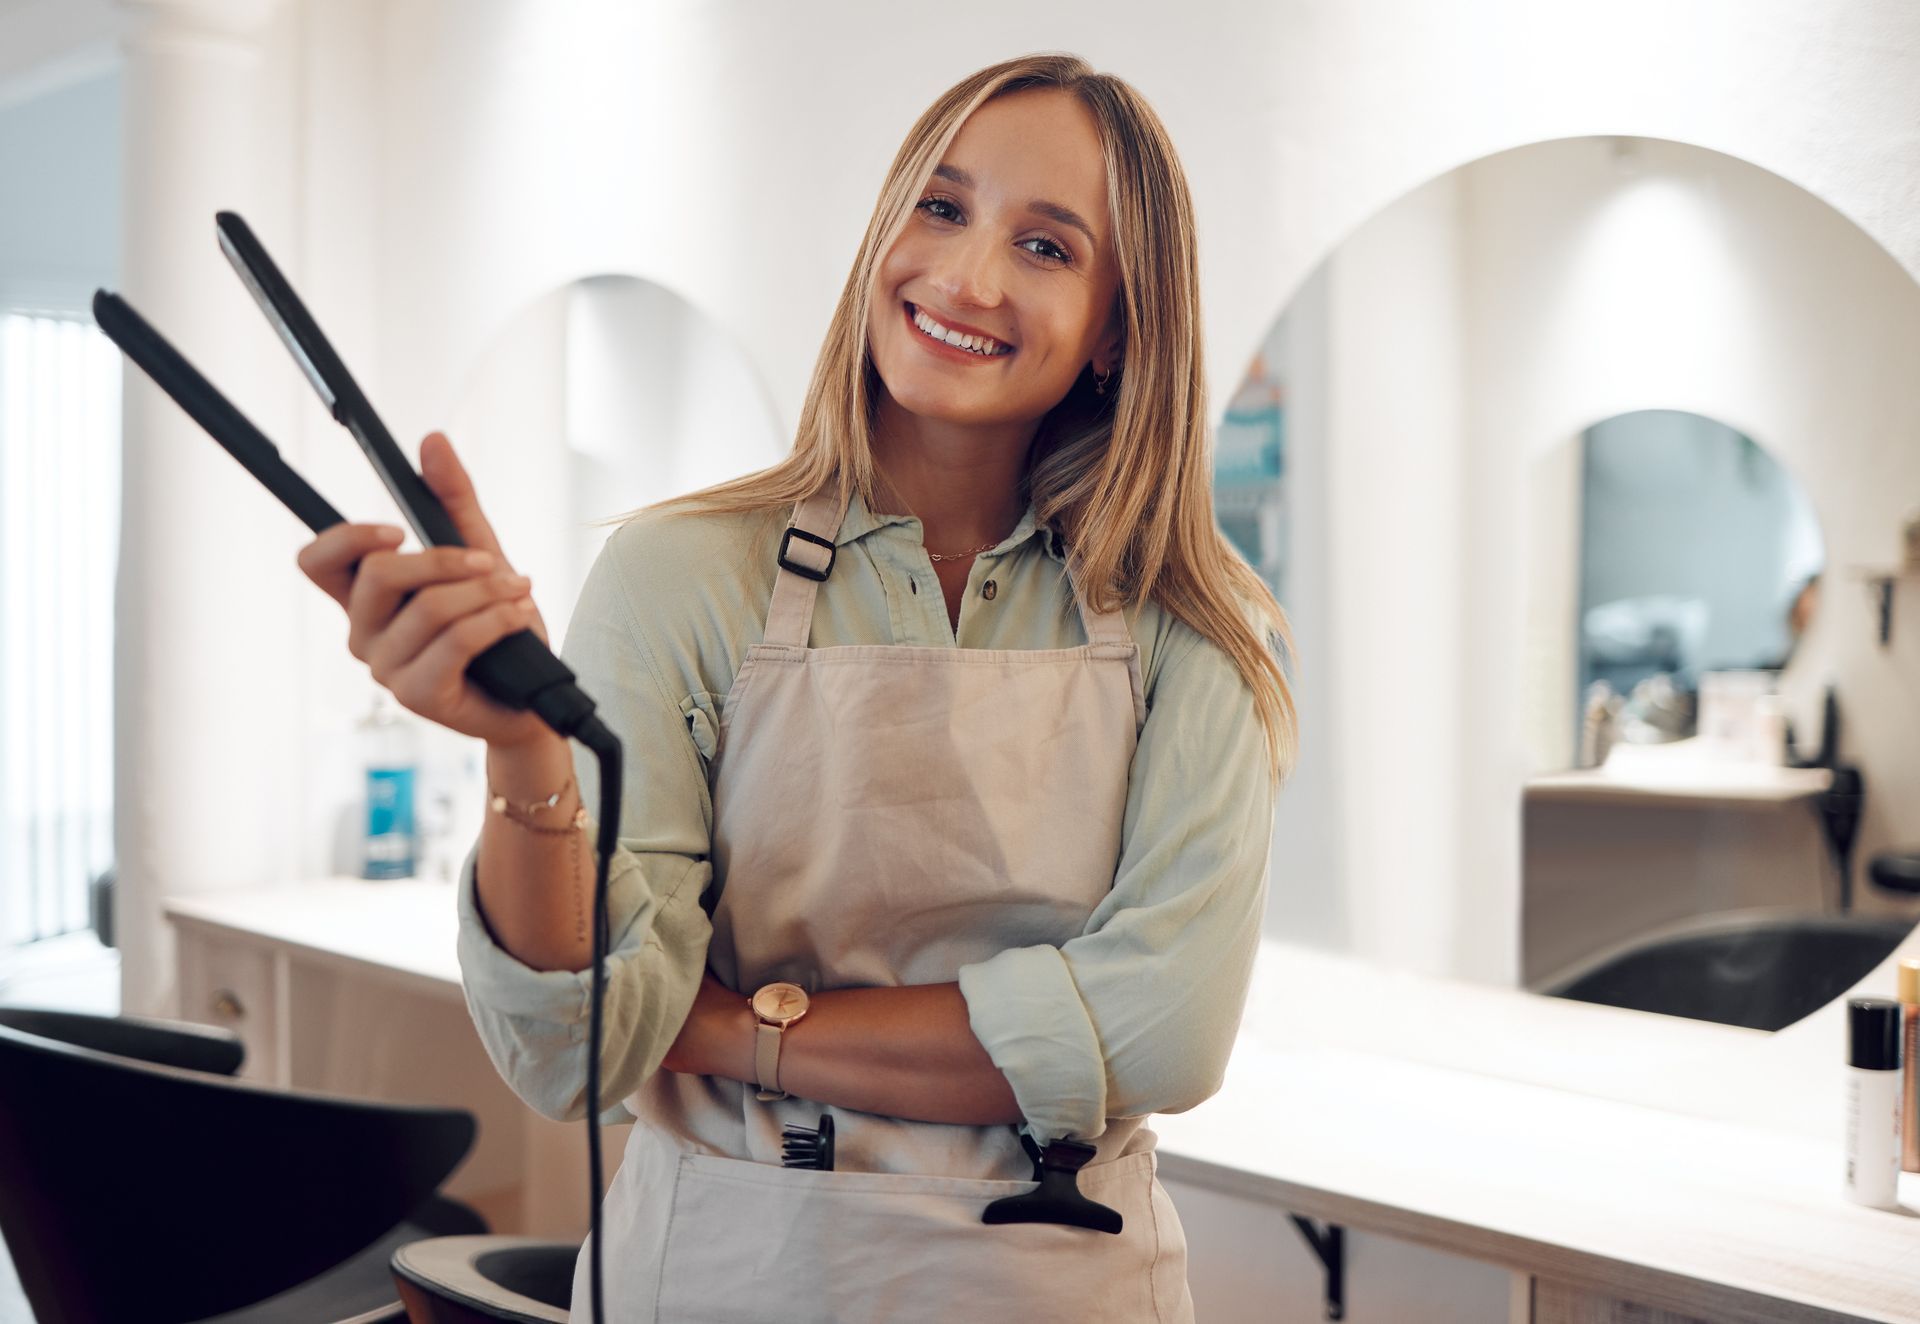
<point x="1139" y="1013"/>
<point x="534" y="1023"/>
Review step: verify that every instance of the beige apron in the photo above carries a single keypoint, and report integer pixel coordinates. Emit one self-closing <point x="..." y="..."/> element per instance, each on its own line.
<point x="883" y="815"/>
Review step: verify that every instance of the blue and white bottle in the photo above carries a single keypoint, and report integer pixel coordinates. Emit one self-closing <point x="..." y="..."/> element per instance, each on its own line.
<point x="389" y="745"/>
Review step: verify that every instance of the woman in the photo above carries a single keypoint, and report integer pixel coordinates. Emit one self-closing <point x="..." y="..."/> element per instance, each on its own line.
<point x="987" y="799"/>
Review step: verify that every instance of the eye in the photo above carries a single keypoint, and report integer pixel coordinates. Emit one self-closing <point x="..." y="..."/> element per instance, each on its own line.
<point x="1058" y="254"/>
<point x="1054" y="253"/>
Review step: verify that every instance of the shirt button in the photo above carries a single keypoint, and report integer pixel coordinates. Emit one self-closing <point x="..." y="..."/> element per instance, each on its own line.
<point x="988" y="589"/>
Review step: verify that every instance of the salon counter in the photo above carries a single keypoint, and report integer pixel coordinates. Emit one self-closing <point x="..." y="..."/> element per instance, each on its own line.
<point x="1603" y="1206"/>
<point x="1477" y="1135"/>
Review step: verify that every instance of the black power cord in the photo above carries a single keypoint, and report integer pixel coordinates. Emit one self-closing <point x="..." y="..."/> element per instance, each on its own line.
<point x="593" y="733"/>
<point x="535" y="678"/>
<point x="1843" y="802"/>
<point x="564" y="708"/>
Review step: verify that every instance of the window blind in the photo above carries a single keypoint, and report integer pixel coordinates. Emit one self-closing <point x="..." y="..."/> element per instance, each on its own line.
<point x="59" y="543"/>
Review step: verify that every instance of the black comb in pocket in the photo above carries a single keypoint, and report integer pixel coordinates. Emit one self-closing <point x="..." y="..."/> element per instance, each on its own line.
<point x="805" y="1147"/>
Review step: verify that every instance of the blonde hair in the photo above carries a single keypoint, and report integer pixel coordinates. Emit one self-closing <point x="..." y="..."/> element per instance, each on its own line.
<point x="1125" y="478"/>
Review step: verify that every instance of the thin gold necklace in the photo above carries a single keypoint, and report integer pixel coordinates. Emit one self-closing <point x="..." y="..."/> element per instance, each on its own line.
<point x="950" y="556"/>
<point x="961" y="556"/>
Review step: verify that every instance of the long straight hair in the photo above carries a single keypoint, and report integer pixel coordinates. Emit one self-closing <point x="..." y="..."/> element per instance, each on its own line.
<point x="1124" y="478"/>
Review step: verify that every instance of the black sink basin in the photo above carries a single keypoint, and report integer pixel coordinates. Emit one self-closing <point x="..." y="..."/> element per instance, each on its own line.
<point x="1760" y="970"/>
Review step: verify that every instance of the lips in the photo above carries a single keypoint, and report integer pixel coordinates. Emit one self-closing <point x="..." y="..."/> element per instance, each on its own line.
<point x="909" y="309"/>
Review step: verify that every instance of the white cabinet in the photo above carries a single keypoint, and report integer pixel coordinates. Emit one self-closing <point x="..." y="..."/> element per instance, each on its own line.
<point x="1248" y="1264"/>
<point x="235" y="986"/>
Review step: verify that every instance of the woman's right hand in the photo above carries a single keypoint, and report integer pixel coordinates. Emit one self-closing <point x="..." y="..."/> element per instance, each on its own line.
<point x="419" y="646"/>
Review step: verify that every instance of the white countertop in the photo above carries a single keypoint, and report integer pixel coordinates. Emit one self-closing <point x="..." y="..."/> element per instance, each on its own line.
<point x="1681" y="771"/>
<point x="1710" y="1214"/>
<point x="1706" y="1217"/>
<point x="403" y="929"/>
<point x="1679" y="1163"/>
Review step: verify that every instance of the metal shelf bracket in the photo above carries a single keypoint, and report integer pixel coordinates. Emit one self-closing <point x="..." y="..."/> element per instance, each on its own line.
<point x="1330" y="1245"/>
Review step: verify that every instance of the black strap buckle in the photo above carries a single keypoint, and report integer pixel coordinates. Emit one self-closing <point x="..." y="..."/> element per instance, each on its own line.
<point x="806" y="571"/>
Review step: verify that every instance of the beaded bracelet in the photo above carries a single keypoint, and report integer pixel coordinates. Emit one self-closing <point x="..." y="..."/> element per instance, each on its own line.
<point x="499" y="804"/>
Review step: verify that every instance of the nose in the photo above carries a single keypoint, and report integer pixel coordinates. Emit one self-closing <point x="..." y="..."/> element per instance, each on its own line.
<point x="966" y="268"/>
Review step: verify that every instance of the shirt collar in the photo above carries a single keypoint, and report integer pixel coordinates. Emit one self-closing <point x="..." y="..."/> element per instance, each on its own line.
<point x="861" y="521"/>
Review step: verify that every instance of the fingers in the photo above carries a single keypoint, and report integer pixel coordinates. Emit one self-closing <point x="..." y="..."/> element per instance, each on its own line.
<point x="388" y="579"/>
<point x="334" y="555"/>
<point x="434" y="679"/>
<point x="435" y="609"/>
<point x="332" y="560"/>
<point x="444" y="473"/>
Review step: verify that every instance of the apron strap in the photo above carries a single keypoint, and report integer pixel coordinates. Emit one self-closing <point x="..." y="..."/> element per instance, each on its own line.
<point x="790" y="618"/>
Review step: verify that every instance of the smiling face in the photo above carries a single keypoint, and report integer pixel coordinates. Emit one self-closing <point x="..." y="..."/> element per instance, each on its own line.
<point x="1009" y="243"/>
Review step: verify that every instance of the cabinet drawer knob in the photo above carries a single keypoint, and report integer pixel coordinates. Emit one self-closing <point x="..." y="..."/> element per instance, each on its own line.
<point x="227" y="1003"/>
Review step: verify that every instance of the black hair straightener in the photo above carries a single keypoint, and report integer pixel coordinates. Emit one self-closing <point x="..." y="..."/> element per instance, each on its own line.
<point x="519" y="670"/>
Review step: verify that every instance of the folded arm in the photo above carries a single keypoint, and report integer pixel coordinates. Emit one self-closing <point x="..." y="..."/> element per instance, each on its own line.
<point x="1136" y="1015"/>
<point x="901" y="1052"/>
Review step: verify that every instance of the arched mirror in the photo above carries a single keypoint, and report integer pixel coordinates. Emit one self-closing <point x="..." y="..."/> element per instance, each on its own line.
<point x="1695" y="552"/>
<point x="599" y="397"/>
<point x="1571" y="476"/>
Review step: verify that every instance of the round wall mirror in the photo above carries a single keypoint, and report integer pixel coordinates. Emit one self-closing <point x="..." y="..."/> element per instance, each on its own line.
<point x="1565" y="466"/>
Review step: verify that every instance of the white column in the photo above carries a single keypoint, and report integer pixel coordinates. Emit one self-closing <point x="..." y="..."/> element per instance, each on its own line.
<point x="206" y="598"/>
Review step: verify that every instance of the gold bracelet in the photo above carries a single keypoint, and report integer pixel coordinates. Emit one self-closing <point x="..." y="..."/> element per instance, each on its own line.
<point x="499" y="804"/>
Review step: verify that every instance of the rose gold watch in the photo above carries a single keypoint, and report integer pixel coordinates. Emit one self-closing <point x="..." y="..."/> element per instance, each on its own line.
<point x="777" y="1005"/>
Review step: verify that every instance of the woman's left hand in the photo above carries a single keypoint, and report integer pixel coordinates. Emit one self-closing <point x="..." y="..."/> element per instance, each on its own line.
<point x="716" y="1035"/>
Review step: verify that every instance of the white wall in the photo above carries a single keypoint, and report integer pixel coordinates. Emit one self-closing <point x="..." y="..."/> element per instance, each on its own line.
<point x="1398" y="512"/>
<point x="1307" y="901"/>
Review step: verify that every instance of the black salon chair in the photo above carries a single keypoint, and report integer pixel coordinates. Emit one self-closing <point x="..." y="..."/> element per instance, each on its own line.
<point x="1755" y="969"/>
<point x="1896" y="871"/>
<point x="139" y="1182"/>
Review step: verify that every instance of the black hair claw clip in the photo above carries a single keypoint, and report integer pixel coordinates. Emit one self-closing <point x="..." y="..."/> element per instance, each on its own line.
<point x="1057" y="1199"/>
<point x="804" y="1147"/>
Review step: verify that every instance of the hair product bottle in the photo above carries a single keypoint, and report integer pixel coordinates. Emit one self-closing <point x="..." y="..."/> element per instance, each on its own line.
<point x="389" y="749"/>
<point x="1873" y="1102"/>
<point x="1910" y="1065"/>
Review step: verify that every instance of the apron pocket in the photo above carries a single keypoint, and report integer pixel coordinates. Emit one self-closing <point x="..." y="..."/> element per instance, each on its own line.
<point x="752" y="1242"/>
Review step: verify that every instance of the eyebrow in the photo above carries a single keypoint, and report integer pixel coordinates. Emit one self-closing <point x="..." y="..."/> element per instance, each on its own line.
<point x="1052" y="210"/>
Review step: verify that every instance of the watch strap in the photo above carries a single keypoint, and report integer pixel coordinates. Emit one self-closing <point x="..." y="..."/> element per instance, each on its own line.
<point x="766" y="1061"/>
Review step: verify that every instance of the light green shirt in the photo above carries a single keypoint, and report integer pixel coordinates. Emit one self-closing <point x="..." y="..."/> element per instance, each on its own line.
<point x="1135" y="1015"/>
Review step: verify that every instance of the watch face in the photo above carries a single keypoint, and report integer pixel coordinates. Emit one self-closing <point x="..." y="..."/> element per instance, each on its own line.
<point x="779" y="1001"/>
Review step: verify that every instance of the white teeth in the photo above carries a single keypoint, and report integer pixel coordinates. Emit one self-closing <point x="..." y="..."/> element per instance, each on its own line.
<point x="973" y="344"/>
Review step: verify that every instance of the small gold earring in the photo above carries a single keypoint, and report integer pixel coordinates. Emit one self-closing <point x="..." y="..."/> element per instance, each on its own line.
<point x="1100" y="381"/>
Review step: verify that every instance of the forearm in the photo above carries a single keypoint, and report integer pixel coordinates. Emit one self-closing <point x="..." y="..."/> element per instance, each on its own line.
<point x="901" y="1052"/>
<point x="535" y="889"/>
